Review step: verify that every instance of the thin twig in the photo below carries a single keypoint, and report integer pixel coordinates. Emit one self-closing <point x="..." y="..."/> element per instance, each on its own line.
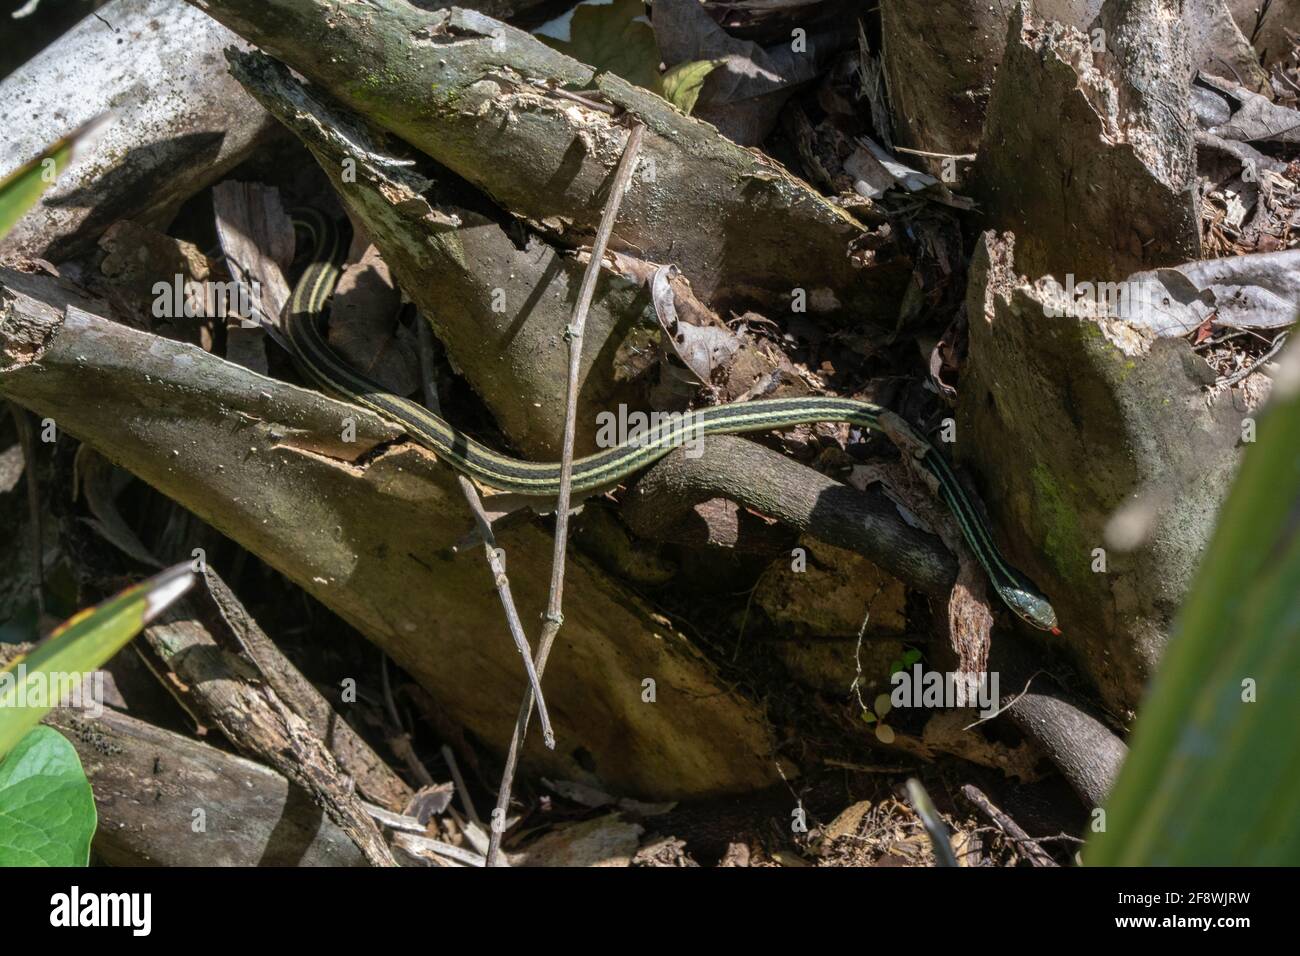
<point x="401" y="740"/>
<point x="1009" y="705"/>
<point x="967" y="157"/>
<point x="461" y="789"/>
<point x="413" y="842"/>
<point x="495" y="555"/>
<point x="1255" y="366"/>
<point x="574" y="97"/>
<point x="866" y="767"/>
<point x="1037" y="855"/>
<point x="554" y="617"/>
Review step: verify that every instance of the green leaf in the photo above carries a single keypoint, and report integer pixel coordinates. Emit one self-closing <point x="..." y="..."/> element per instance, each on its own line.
<point x="1213" y="778"/>
<point x="78" y="646"/>
<point x="47" y="812"/>
<point x="21" y="189"/>
<point x="609" y="37"/>
<point x="682" y="84"/>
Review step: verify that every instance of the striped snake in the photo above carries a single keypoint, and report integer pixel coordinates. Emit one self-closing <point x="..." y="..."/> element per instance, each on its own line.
<point x="325" y="369"/>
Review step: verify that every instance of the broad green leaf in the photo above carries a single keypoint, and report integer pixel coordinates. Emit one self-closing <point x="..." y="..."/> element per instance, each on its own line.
<point x="47" y="812"/>
<point x="79" y="646"/>
<point x="1213" y="778"/>
<point x="21" y="189"/>
<point x="610" y="37"/>
<point x="682" y="84"/>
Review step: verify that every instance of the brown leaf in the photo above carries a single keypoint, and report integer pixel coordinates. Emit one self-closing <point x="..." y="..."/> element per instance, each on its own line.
<point x="364" y="328"/>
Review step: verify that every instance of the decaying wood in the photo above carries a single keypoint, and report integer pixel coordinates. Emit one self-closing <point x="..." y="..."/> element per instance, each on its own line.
<point x="1088" y="158"/>
<point x="474" y="94"/>
<point x="179" y="121"/>
<point x="1065" y="421"/>
<point x="665" y="502"/>
<point x="365" y="526"/>
<point x="941" y="57"/>
<point x="222" y="689"/>
<point x="220" y="658"/>
<point x="374" y="778"/>
<point x="1086" y="152"/>
<point x="167" y="800"/>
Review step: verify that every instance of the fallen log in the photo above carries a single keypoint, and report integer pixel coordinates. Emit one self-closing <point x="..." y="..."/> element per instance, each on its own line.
<point x="481" y="98"/>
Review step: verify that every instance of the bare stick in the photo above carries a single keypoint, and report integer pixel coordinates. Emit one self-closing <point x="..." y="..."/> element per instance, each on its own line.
<point x="1256" y="365"/>
<point x="1037" y="855"/>
<point x="968" y="157"/>
<point x="461" y="789"/>
<point x="495" y="555"/>
<point x="401" y="740"/>
<point x="554" y="617"/>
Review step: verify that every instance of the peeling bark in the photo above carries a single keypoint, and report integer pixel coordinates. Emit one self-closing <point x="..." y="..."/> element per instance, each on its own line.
<point x="499" y="310"/>
<point x="375" y="779"/>
<point x="218" y="680"/>
<point x="474" y="94"/>
<point x="1087" y="157"/>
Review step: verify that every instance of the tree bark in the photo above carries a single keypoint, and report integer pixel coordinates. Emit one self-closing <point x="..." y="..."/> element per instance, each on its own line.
<point x="167" y="800"/>
<point x="499" y="310"/>
<point x="180" y="122"/>
<point x="476" y="95"/>
<point x="365" y="527"/>
<point x="1068" y="420"/>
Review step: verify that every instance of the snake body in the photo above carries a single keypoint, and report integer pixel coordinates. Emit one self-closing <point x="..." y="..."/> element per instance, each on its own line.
<point x="325" y="369"/>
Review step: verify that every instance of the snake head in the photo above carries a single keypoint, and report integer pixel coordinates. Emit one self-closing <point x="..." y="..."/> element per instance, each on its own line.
<point x="1032" y="607"/>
